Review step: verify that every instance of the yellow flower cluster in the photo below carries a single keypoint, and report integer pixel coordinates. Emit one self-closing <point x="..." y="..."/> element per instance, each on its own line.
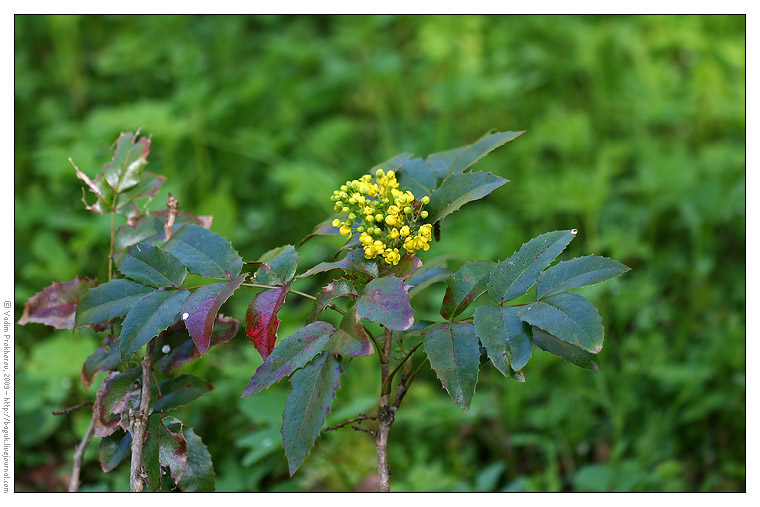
<point x="387" y="218"/>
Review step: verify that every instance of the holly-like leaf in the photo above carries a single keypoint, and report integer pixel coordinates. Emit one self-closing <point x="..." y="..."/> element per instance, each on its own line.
<point x="326" y="228"/>
<point x="459" y="189"/>
<point x="261" y="320"/>
<point x="333" y="290"/>
<point x="423" y="278"/>
<point x="506" y="338"/>
<point x="147" y="188"/>
<point x="105" y="302"/>
<point x="307" y="405"/>
<point x="150" y="461"/>
<point x="469" y="282"/>
<point x="454" y="353"/>
<point x="56" y="305"/>
<point x="467" y="156"/>
<point x="350" y="339"/>
<point x="578" y="272"/>
<point x="113" y="449"/>
<point x="116" y="395"/>
<point x="514" y="276"/>
<point x="175" y="349"/>
<point x="392" y="164"/>
<point x="278" y="266"/>
<point x="199" y="475"/>
<point x="105" y="358"/>
<point x="568" y="316"/>
<point x="172" y="447"/>
<point x="180" y="391"/>
<point x="292" y="353"/>
<point x="152" y="266"/>
<point x="100" y="188"/>
<point x="354" y="261"/>
<point x="130" y="157"/>
<point x="204" y="252"/>
<point x="149" y="316"/>
<point x="200" y="308"/>
<point x="418" y="177"/>
<point x="564" y="350"/>
<point x="407" y="265"/>
<point x="150" y="228"/>
<point x="386" y="301"/>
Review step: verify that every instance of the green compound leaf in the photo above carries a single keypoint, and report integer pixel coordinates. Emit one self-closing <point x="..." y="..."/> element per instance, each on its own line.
<point x="152" y="266"/>
<point x="331" y="292"/>
<point x="578" y="272"/>
<point x="200" y="308"/>
<point x="418" y="177"/>
<point x="354" y="261"/>
<point x="113" y="449"/>
<point x="350" y="339"/>
<point x="568" y="316"/>
<point x="124" y="170"/>
<point x="392" y="164"/>
<point x="423" y="278"/>
<point x="386" y="301"/>
<point x="56" y="305"/>
<point x="292" y="353"/>
<point x="175" y="349"/>
<point x="307" y="405"/>
<point x="204" y="253"/>
<point x="564" y="350"/>
<point x="117" y="395"/>
<point x="105" y="358"/>
<point x="147" y="188"/>
<point x="454" y="353"/>
<point x="110" y="300"/>
<point x="179" y="391"/>
<point x="459" y="189"/>
<point x="467" y="156"/>
<point x="514" y="276"/>
<point x="150" y="228"/>
<point x="506" y="338"/>
<point x="469" y="282"/>
<point x="279" y="266"/>
<point x="149" y="316"/>
<point x="261" y="320"/>
<point x="199" y="474"/>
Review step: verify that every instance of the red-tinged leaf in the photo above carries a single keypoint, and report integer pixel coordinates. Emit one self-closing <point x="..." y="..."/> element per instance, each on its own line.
<point x="172" y="350"/>
<point x="56" y="305"/>
<point x="172" y="448"/>
<point x="333" y="290"/>
<point x="200" y="308"/>
<point x="350" y="339"/>
<point x="106" y="358"/>
<point x="147" y="188"/>
<point x="261" y="319"/>
<point x="100" y="188"/>
<point x="130" y="157"/>
<point x="118" y="393"/>
<point x="386" y="301"/>
<point x="278" y="266"/>
<point x="150" y="228"/>
<point x="354" y="261"/>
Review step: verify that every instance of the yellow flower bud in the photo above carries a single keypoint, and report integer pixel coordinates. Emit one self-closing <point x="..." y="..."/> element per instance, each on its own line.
<point x="404" y="232"/>
<point x="345" y="230"/>
<point x="424" y="214"/>
<point x="379" y="217"/>
<point x="336" y="223"/>
<point x="394" y="233"/>
<point x="425" y="200"/>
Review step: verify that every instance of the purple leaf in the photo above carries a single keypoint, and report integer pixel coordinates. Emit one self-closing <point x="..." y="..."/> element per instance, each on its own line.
<point x="56" y="305"/>
<point x="200" y="308"/>
<point x="350" y="339"/>
<point x="175" y="349"/>
<point x="386" y="301"/>
<point x="333" y="290"/>
<point x="261" y="319"/>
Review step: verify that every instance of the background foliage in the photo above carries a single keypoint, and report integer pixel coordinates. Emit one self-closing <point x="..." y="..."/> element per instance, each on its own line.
<point x="635" y="136"/>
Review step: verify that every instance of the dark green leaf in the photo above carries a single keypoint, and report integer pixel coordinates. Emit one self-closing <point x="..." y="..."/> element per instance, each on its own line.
<point x="353" y="261"/>
<point x="152" y="266"/>
<point x="204" y="252"/>
<point x="125" y="169"/>
<point x="460" y="189"/>
<point x="513" y="277"/>
<point x="566" y="351"/>
<point x="147" y="188"/>
<point x="386" y="301"/>
<point x="506" y="338"/>
<point x="261" y="320"/>
<point x="110" y="300"/>
<point x="113" y="449"/>
<point x="392" y="164"/>
<point x="578" y="272"/>
<point x="279" y="266"/>
<point x="199" y="475"/>
<point x="174" y="350"/>
<point x="333" y="290"/>
<point x="200" y="308"/>
<point x="324" y="229"/>
<point x="454" y="353"/>
<point x="150" y="461"/>
<point x="149" y="316"/>
<point x="56" y="305"/>
<point x="117" y="395"/>
<point x="469" y="282"/>
<point x="568" y="316"/>
<point x="313" y="389"/>
<point x="350" y="339"/>
<point x="179" y="391"/>
<point x="424" y="278"/>
<point x="467" y="156"/>
<point x="418" y="177"/>
<point x="105" y="358"/>
<point x="292" y="353"/>
<point x="150" y="228"/>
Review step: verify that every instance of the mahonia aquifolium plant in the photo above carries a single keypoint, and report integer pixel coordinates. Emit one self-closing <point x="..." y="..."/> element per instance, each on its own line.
<point x="155" y="322"/>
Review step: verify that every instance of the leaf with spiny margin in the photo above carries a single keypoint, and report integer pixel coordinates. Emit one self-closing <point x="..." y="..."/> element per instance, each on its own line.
<point x="105" y="358"/>
<point x="124" y="170"/>
<point x="182" y="348"/>
<point x="150" y="228"/>
<point x="564" y="350"/>
<point x="354" y="261"/>
<point x="392" y="163"/>
<point x="425" y="278"/>
<point x="105" y="302"/>
<point x="199" y="474"/>
<point x="100" y="188"/>
<point x="279" y="266"/>
<point x="568" y="316"/>
<point x="172" y="447"/>
<point x="326" y="228"/>
<point x="454" y="353"/>
<point x="307" y="405"/>
<point x="469" y="282"/>
<point x="331" y="292"/>
<point x="202" y="306"/>
<point x="514" y="276"/>
<point x="147" y="188"/>
<point x="506" y="338"/>
<point x="350" y="339"/>
<point x="204" y="253"/>
<point x="56" y="305"/>
<point x="578" y="272"/>
<point x="292" y="353"/>
<point x="114" y="397"/>
<point x="261" y="320"/>
<point x="149" y="316"/>
<point x="467" y="156"/>
<point x="113" y="449"/>
<point x="418" y="177"/>
<point x="386" y="301"/>
<point x="151" y="266"/>
<point x="180" y="391"/>
<point x="459" y="189"/>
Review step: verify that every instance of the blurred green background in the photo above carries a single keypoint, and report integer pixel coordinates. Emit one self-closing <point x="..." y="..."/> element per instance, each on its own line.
<point x="635" y="136"/>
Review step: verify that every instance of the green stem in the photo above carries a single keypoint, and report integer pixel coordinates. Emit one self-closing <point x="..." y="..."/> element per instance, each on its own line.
<point x="110" y="253"/>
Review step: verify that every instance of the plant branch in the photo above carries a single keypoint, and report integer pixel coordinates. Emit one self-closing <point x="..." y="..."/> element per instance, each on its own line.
<point x="110" y="252"/>
<point x="361" y="417"/>
<point x="140" y="422"/>
<point x="71" y="409"/>
<point x="79" y="456"/>
<point x="384" y="415"/>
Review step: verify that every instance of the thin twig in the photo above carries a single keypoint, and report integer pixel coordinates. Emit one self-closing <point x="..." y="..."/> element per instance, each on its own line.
<point x="361" y="417"/>
<point x="79" y="455"/>
<point x="68" y="410"/>
<point x="171" y="204"/>
<point x="365" y="430"/>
